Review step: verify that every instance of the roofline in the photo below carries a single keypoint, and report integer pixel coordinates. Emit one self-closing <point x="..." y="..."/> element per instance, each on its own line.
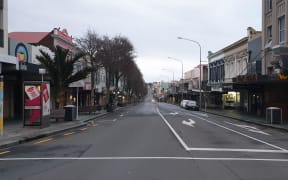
<point x="228" y="47"/>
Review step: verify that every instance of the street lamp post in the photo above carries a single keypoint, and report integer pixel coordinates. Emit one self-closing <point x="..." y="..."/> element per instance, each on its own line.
<point x="173" y="85"/>
<point x="42" y="71"/>
<point x="179" y="60"/>
<point x="200" y="79"/>
<point x="173" y="76"/>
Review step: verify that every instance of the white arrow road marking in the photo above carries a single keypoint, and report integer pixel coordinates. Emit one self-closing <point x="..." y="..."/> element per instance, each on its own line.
<point x="174" y="114"/>
<point x="190" y="122"/>
<point x="249" y="128"/>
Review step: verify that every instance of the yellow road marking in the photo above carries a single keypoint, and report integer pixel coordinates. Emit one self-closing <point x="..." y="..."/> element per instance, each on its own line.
<point x="94" y="125"/>
<point x="83" y="129"/>
<point x="4" y="152"/>
<point x="70" y="133"/>
<point x="43" y="141"/>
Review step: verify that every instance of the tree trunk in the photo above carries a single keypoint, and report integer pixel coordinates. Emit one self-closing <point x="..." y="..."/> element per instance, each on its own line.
<point x="92" y="87"/>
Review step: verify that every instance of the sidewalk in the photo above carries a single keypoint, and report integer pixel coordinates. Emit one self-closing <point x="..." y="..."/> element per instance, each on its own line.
<point x="15" y="133"/>
<point x="241" y="116"/>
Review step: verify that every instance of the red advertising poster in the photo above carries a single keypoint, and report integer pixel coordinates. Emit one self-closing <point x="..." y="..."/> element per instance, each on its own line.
<point x="33" y="103"/>
<point x="46" y="99"/>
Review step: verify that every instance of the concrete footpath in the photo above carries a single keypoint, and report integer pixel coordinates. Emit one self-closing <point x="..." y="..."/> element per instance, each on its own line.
<point x="238" y="115"/>
<point x="15" y="133"/>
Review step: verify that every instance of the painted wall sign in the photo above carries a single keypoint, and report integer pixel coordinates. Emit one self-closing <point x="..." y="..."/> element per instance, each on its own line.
<point x="21" y="53"/>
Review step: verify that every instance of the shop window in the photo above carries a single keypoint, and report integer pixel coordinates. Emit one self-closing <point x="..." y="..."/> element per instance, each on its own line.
<point x="231" y="99"/>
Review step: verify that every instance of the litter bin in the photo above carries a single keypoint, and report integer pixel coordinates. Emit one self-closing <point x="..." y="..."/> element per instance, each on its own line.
<point x="70" y="113"/>
<point x="109" y="107"/>
<point x="274" y="115"/>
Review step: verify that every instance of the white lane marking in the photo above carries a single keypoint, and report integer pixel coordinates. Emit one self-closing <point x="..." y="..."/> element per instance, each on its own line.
<point x="173" y="114"/>
<point x="201" y="114"/>
<point x="190" y="122"/>
<point x="249" y="128"/>
<point x="146" y="158"/>
<point x="238" y="150"/>
<point x="173" y="131"/>
<point x="250" y="137"/>
<point x="121" y="115"/>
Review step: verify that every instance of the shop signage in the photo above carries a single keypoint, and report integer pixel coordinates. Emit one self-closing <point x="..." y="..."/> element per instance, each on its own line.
<point x="228" y="86"/>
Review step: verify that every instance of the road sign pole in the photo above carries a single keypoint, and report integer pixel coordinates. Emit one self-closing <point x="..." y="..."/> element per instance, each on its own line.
<point x="1" y="104"/>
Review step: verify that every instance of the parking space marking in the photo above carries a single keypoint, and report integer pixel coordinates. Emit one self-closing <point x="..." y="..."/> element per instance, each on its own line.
<point x="242" y="134"/>
<point x="249" y="128"/>
<point x="185" y="146"/>
<point x="238" y="150"/>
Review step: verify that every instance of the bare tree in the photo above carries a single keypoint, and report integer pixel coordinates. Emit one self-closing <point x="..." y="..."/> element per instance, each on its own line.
<point x="90" y="45"/>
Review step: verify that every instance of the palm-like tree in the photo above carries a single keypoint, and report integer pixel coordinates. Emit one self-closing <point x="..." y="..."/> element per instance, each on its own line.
<point x="61" y="71"/>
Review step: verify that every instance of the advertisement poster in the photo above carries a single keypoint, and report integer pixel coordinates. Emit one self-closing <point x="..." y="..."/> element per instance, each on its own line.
<point x="32" y="103"/>
<point x="46" y="99"/>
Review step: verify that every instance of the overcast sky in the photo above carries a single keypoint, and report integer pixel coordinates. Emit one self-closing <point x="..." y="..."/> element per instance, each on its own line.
<point x="151" y="25"/>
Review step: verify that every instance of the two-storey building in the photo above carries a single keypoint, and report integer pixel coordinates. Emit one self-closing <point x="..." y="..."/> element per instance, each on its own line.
<point x="275" y="54"/>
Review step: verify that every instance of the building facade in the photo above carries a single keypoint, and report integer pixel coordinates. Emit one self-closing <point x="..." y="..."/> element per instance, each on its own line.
<point x="275" y="54"/>
<point x="7" y="63"/>
<point x="25" y="47"/>
<point x="228" y="64"/>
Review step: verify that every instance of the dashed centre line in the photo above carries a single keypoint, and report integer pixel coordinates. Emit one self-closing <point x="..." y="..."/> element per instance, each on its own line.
<point x="4" y="152"/>
<point x="43" y="141"/>
<point x="70" y="133"/>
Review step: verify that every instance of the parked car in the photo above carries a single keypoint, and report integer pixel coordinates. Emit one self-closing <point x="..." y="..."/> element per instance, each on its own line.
<point x="183" y="104"/>
<point x="189" y="104"/>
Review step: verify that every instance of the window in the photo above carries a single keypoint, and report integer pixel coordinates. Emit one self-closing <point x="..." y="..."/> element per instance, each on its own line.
<point x="269" y="4"/>
<point x="269" y="33"/>
<point x="281" y="22"/>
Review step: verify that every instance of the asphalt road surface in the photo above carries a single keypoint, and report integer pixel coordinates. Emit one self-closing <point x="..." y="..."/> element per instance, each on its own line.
<point x="154" y="141"/>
